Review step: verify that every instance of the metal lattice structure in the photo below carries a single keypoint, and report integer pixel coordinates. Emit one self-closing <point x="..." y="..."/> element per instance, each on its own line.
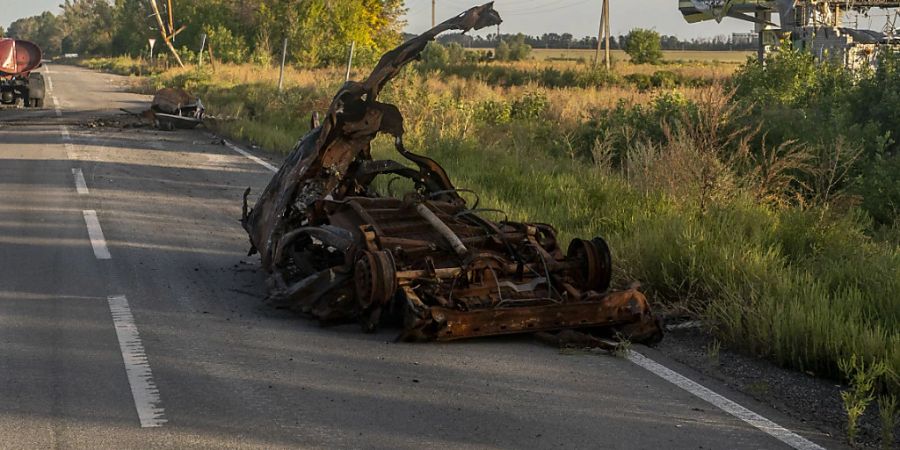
<point x="818" y="26"/>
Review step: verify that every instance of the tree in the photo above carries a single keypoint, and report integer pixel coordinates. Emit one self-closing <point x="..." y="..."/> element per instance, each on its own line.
<point x="44" y="30"/>
<point x="643" y="46"/>
<point x="133" y="25"/>
<point x="88" y="26"/>
<point x="513" y="49"/>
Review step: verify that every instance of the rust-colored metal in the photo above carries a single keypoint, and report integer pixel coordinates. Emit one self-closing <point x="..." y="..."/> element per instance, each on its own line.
<point x="18" y="81"/>
<point x="18" y="57"/>
<point x="338" y="249"/>
<point x="176" y="108"/>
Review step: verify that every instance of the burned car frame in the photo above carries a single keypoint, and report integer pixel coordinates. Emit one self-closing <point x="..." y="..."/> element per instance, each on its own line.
<point x="337" y="250"/>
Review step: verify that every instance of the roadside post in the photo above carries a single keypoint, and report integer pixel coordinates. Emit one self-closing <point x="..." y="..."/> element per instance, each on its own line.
<point x="202" y="45"/>
<point x="350" y="60"/>
<point x="281" y="72"/>
<point x="152" y="43"/>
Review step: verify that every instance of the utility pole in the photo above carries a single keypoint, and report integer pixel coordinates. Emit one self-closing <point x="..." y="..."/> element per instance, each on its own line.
<point x="603" y="35"/>
<point x="608" y="33"/>
<point x="171" y="22"/>
<point x="162" y="31"/>
<point x="433" y="2"/>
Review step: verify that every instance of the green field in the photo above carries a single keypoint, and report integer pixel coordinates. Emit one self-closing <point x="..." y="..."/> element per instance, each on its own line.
<point x="668" y="55"/>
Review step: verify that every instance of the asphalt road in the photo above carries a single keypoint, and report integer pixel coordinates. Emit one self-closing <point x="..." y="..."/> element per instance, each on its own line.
<point x="167" y="344"/>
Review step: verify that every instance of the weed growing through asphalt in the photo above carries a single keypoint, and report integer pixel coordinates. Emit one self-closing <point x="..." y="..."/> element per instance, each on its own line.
<point x="623" y="347"/>
<point x="712" y="352"/>
<point x="863" y="378"/>
<point x="887" y="409"/>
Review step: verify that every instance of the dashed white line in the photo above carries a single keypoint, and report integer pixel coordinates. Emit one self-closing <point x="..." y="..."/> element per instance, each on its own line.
<point x="80" y="185"/>
<point x="56" y="108"/>
<point x="767" y="426"/>
<point x="137" y="367"/>
<point x="251" y="156"/>
<point x="70" y="149"/>
<point x="98" y="242"/>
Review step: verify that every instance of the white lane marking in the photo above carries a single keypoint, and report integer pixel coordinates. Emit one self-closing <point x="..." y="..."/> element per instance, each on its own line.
<point x="137" y="367"/>
<point x="56" y="108"/>
<point x="98" y="242"/>
<point x="778" y="432"/>
<point x="70" y="149"/>
<point x="80" y="185"/>
<point x="249" y="155"/>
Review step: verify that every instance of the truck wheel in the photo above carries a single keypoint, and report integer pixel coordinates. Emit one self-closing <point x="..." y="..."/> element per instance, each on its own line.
<point x="35" y="90"/>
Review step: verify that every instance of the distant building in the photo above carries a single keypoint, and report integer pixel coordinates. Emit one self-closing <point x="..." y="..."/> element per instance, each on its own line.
<point x="747" y="39"/>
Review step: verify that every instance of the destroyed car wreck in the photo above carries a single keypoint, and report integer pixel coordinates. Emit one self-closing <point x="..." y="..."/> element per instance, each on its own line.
<point x="176" y="108"/>
<point x="338" y="250"/>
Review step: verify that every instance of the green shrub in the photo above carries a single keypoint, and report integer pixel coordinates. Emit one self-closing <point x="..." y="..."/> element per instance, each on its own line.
<point x="643" y="46"/>
<point x="435" y="56"/>
<point x="227" y="47"/>
<point x="531" y="106"/>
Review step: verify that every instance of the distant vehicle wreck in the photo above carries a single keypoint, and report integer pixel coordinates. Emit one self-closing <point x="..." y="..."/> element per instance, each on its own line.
<point x="176" y="108"/>
<point x="339" y="250"/>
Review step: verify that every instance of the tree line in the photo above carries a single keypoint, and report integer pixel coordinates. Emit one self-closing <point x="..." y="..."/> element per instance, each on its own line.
<point x="319" y="32"/>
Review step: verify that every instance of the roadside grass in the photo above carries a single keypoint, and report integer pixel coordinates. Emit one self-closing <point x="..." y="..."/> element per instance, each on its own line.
<point x="804" y="285"/>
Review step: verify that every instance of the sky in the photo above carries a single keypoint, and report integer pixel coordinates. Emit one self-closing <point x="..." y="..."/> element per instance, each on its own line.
<point x="578" y="17"/>
<point x="534" y="17"/>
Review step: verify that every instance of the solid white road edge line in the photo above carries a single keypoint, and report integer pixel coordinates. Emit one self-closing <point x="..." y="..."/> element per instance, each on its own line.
<point x="778" y="432"/>
<point x="80" y="185"/>
<point x="137" y="368"/>
<point x="56" y="109"/>
<point x="98" y="242"/>
<point x="249" y="155"/>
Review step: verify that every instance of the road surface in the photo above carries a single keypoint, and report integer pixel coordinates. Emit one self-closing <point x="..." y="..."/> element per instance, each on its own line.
<point x="131" y="317"/>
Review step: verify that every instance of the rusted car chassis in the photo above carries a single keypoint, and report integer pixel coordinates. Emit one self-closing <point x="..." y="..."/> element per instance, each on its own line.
<point x="338" y="250"/>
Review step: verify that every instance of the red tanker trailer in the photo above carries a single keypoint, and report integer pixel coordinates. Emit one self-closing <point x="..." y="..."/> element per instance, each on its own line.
<point x="17" y="61"/>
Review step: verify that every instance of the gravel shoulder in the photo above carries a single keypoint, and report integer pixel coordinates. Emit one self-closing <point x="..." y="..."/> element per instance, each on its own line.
<point x="804" y="397"/>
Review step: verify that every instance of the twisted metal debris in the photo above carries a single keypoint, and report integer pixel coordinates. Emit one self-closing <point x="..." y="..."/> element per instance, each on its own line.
<point x="338" y="250"/>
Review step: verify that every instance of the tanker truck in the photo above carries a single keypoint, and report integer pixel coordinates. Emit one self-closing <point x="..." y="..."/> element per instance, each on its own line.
<point x="18" y="84"/>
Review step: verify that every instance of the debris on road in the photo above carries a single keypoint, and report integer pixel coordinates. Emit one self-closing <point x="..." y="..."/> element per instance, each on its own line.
<point x="176" y="108"/>
<point x="338" y="249"/>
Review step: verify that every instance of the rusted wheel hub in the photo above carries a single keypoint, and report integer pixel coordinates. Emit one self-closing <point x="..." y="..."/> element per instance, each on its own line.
<point x="594" y="263"/>
<point x="375" y="278"/>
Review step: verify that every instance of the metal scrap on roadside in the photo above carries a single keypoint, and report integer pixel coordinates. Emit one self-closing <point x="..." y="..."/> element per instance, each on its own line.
<point x="338" y="249"/>
<point x="176" y="108"/>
